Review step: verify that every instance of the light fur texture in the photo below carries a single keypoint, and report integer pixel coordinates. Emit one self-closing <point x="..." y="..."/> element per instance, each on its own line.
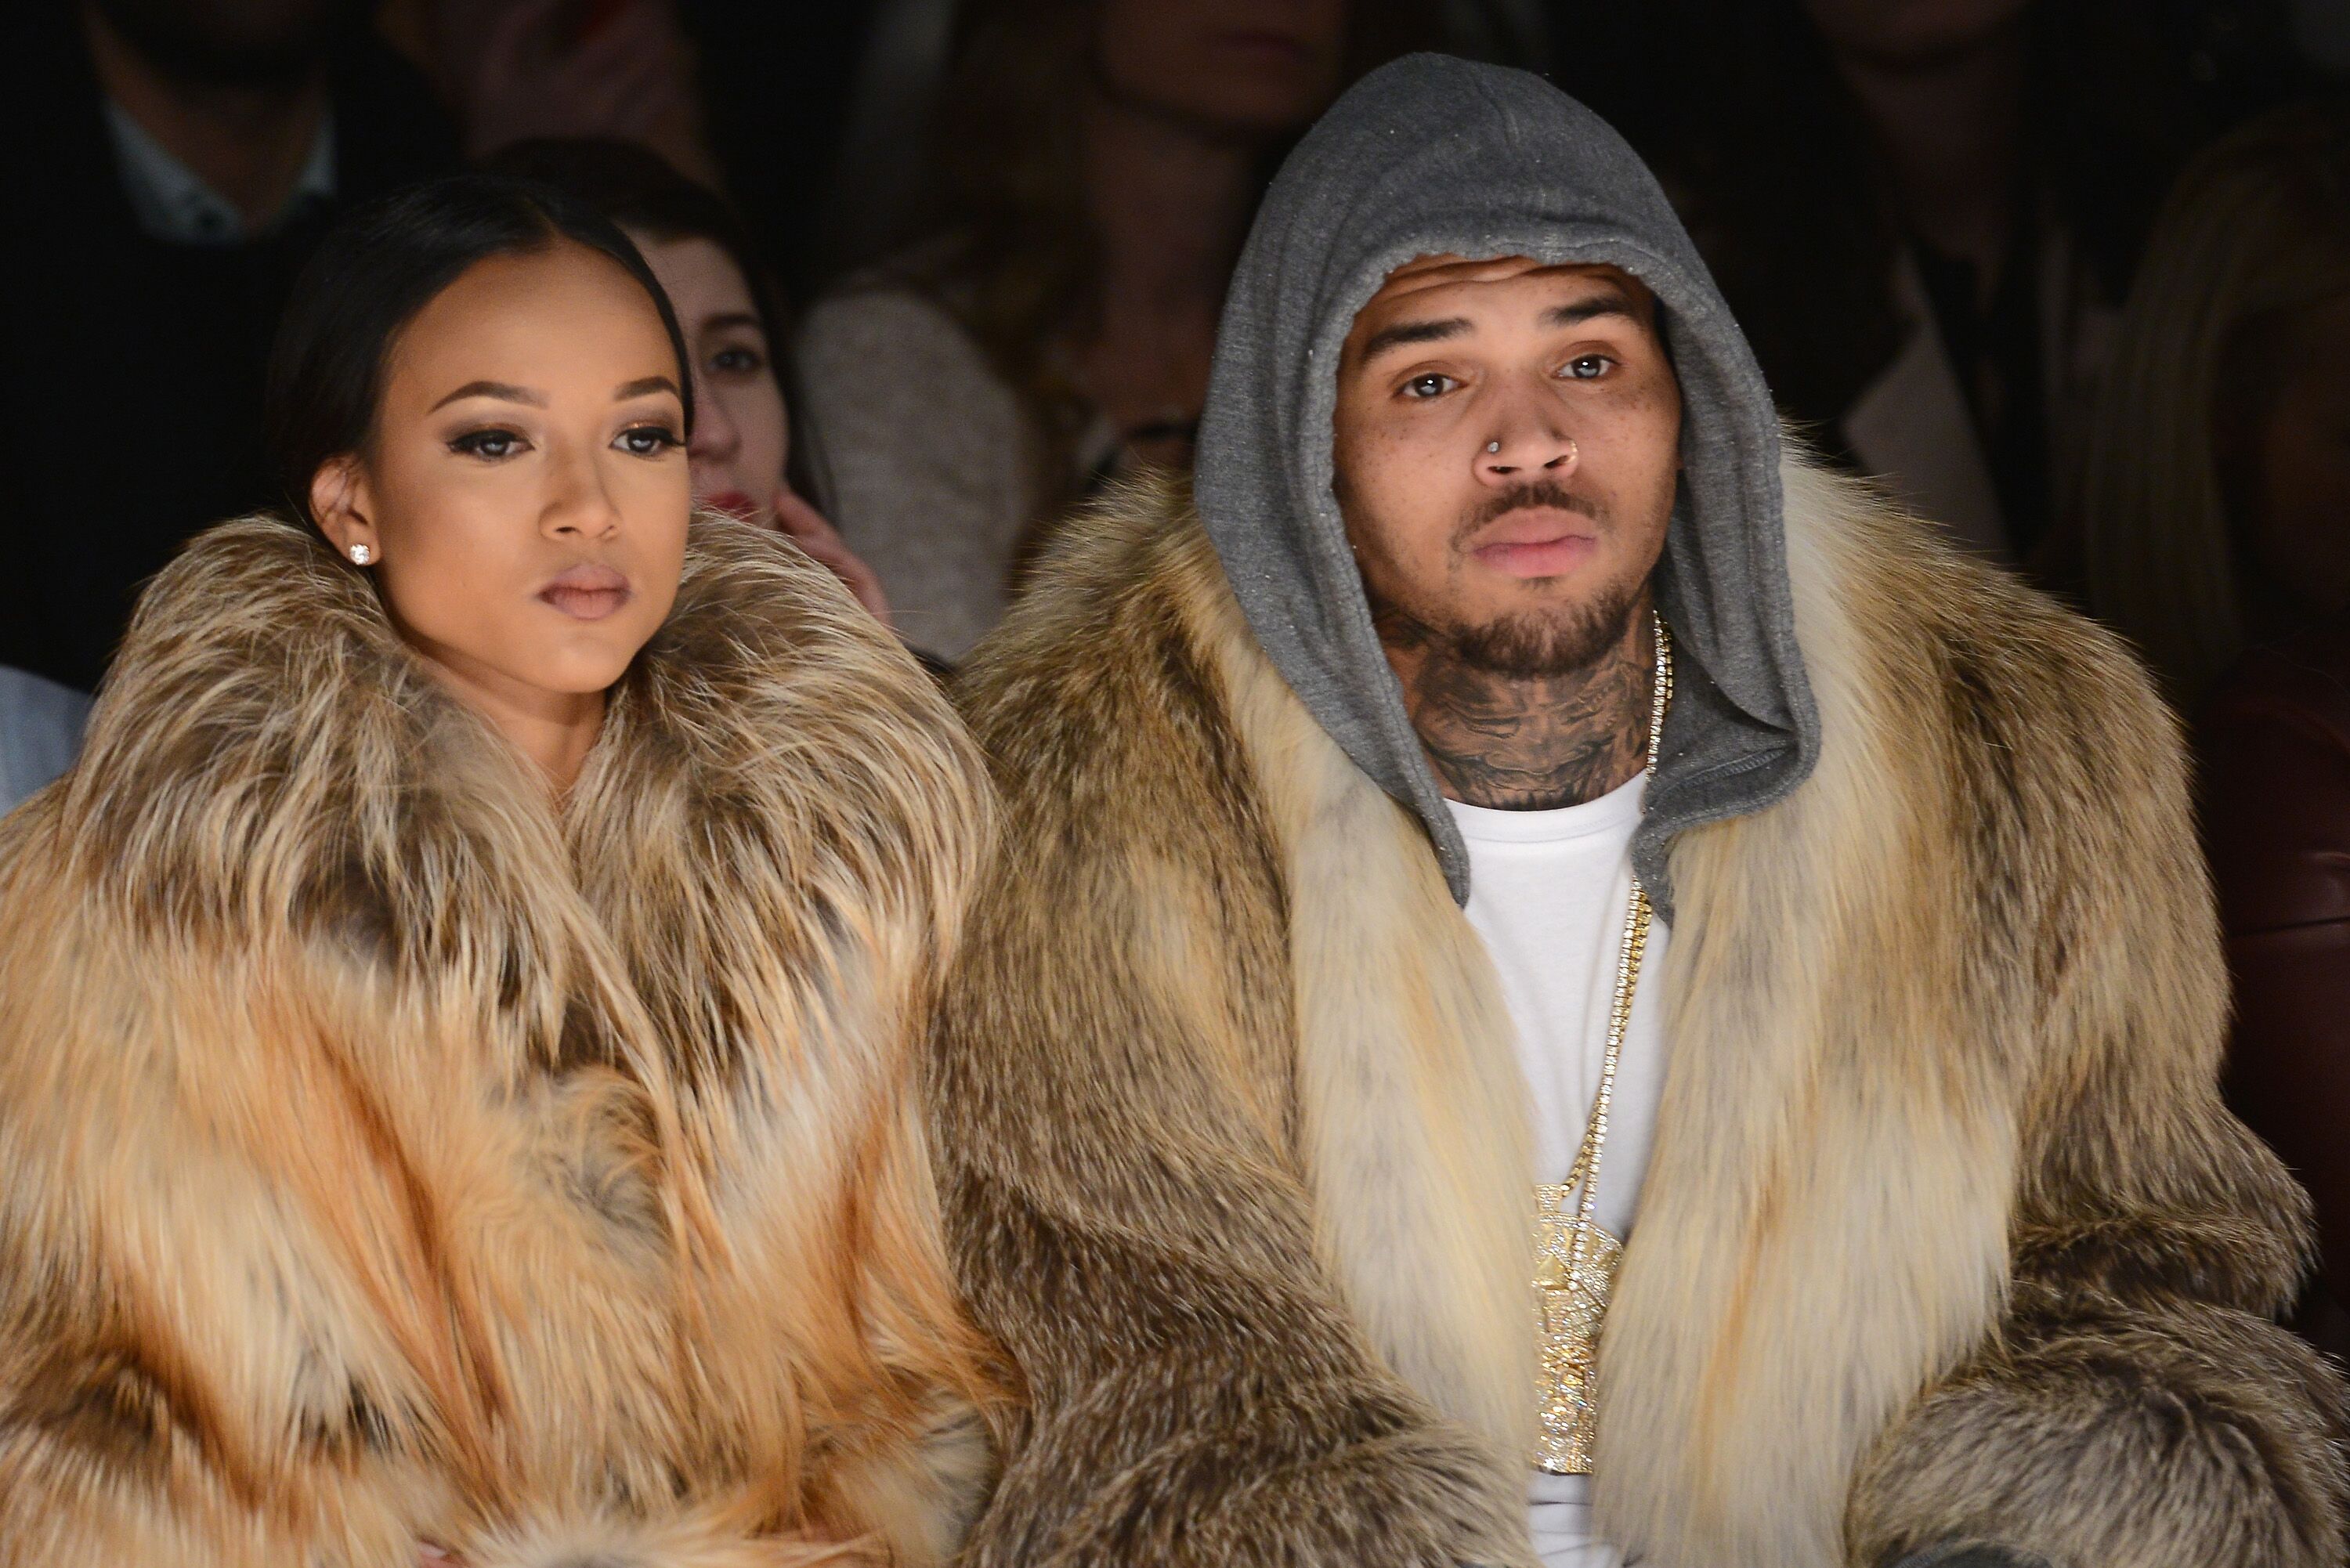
<point x="387" y="1153"/>
<point x="1946" y="1235"/>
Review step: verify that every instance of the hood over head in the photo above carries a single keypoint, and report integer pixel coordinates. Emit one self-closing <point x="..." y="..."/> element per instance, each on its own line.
<point x="1431" y="156"/>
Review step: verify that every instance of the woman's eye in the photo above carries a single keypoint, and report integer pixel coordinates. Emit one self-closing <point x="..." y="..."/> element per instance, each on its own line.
<point x="489" y="445"/>
<point x="1428" y="386"/>
<point x="1586" y="366"/>
<point x="647" y="441"/>
<point x="738" y="361"/>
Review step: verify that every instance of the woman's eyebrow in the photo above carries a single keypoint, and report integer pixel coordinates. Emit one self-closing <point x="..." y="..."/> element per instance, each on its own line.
<point x="643" y="384"/>
<point x="506" y="392"/>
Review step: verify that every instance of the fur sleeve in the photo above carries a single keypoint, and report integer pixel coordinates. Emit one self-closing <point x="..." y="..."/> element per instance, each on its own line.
<point x="1111" y="1094"/>
<point x="2137" y="1404"/>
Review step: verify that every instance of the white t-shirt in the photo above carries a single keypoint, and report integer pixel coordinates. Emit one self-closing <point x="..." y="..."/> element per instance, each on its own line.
<point x="1548" y="891"/>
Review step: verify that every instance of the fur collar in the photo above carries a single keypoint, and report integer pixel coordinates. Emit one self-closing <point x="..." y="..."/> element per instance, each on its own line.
<point x="1954" y="1002"/>
<point x="640" y="1064"/>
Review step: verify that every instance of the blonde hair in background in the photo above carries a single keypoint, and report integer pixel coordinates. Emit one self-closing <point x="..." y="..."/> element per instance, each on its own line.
<point x="2256" y="232"/>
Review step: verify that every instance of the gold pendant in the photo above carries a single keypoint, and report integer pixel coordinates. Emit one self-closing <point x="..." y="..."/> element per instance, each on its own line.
<point x="1575" y="1267"/>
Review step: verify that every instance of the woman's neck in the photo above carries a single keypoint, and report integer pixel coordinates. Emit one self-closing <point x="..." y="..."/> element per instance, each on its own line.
<point x="555" y="729"/>
<point x="1169" y="202"/>
<point x="1946" y="132"/>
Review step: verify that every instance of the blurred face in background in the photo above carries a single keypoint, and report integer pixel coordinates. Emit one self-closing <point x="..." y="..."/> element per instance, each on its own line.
<point x="1246" y="68"/>
<point x="523" y="495"/>
<point x="741" y="430"/>
<point x="2289" y="469"/>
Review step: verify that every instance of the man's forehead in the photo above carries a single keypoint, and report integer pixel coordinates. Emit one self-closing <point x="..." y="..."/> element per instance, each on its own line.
<point x="1418" y="281"/>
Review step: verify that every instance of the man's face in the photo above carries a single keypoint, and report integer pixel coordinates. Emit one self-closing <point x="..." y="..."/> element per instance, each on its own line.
<point x="1507" y="442"/>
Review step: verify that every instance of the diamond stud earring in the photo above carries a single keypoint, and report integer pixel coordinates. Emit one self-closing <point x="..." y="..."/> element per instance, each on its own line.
<point x="361" y="555"/>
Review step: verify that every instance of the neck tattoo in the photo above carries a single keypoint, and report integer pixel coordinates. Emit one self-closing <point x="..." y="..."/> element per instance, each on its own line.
<point x="1525" y="743"/>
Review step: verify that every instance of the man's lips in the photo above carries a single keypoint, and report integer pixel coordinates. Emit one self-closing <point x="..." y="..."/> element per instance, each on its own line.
<point x="1539" y="542"/>
<point x="587" y="592"/>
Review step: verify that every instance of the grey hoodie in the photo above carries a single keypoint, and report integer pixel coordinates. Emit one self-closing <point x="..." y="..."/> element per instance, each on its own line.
<point x="1432" y="156"/>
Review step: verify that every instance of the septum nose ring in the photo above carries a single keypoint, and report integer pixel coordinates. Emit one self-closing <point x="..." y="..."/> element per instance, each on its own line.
<point x="1574" y="452"/>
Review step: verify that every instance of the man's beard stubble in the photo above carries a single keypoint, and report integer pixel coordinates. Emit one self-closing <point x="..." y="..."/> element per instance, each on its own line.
<point x="1529" y="645"/>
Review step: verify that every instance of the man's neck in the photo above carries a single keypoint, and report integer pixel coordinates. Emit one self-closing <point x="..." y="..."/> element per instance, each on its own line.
<point x="249" y="143"/>
<point x="1526" y="744"/>
<point x="1169" y="204"/>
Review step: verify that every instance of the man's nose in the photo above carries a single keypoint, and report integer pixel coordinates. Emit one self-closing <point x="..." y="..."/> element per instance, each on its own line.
<point x="1524" y="443"/>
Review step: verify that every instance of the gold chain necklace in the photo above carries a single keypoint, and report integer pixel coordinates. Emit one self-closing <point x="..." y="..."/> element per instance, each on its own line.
<point x="1575" y="1260"/>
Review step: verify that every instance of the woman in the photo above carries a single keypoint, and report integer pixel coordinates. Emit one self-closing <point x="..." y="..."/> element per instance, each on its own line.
<point x="2221" y="526"/>
<point x="1924" y="217"/>
<point x="744" y="458"/>
<point x="453" y="1083"/>
<point x="1099" y="163"/>
<point x="2196" y="539"/>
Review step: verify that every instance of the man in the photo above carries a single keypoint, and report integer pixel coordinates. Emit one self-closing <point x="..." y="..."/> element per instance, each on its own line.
<point x="1945" y="1249"/>
<point x="184" y="156"/>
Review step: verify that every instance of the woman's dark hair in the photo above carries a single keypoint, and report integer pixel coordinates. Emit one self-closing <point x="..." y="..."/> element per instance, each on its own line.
<point x="382" y="266"/>
<point x="638" y="189"/>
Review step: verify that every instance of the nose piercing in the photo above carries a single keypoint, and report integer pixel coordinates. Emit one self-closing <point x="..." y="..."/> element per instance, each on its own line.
<point x="1492" y="446"/>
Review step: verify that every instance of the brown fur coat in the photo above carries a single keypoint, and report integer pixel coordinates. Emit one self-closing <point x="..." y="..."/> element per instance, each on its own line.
<point x="1946" y="1235"/>
<point x="384" y="1153"/>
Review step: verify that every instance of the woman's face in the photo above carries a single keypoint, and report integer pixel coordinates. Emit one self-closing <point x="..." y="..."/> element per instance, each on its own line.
<point x="524" y="494"/>
<point x="1250" y="69"/>
<point x="741" y="436"/>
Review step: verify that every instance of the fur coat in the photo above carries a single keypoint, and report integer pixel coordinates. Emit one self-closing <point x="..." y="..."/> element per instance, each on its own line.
<point x="1946" y="1235"/>
<point x="387" y="1153"/>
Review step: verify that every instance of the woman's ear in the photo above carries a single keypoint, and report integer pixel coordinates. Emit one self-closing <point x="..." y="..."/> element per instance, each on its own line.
<point x="340" y="500"/>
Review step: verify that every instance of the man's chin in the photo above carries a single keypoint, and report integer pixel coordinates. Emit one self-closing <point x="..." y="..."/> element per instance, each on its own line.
<point x="1539" y="645"/>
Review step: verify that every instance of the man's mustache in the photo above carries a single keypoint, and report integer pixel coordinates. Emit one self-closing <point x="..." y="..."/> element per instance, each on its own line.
<point x="1546" y="493"/>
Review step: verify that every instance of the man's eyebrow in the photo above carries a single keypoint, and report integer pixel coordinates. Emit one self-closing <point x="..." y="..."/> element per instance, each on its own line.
<point x="643" y="384"/>
<point x="506" y="392"/>
<point x="1613" y="302"/>
<point x="1404" y="333"/>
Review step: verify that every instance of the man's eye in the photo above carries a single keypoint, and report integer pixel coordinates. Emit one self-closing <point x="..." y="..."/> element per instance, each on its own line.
<point x="1588" y="367"/>
<point x="647" y="441"/>
<point x="489" y="445"/>
<point x="738" y="361"/>
<point x="1428" y="386"/>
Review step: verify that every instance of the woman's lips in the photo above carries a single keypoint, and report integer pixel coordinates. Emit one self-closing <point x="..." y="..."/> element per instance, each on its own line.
<point x="587" y="592"/>
<point x="735" y="503"/>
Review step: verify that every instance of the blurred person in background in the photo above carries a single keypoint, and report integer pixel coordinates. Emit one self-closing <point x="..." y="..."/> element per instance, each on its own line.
<point x="520" y="70"/>
<point x="2217" y="516"/>
<point x="191" y="153"/>
<point x="1098" y="164"/>
<point x="1926" y="213"/>
<point x="743" y="457"/>
<point x="2212" y="513"/>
